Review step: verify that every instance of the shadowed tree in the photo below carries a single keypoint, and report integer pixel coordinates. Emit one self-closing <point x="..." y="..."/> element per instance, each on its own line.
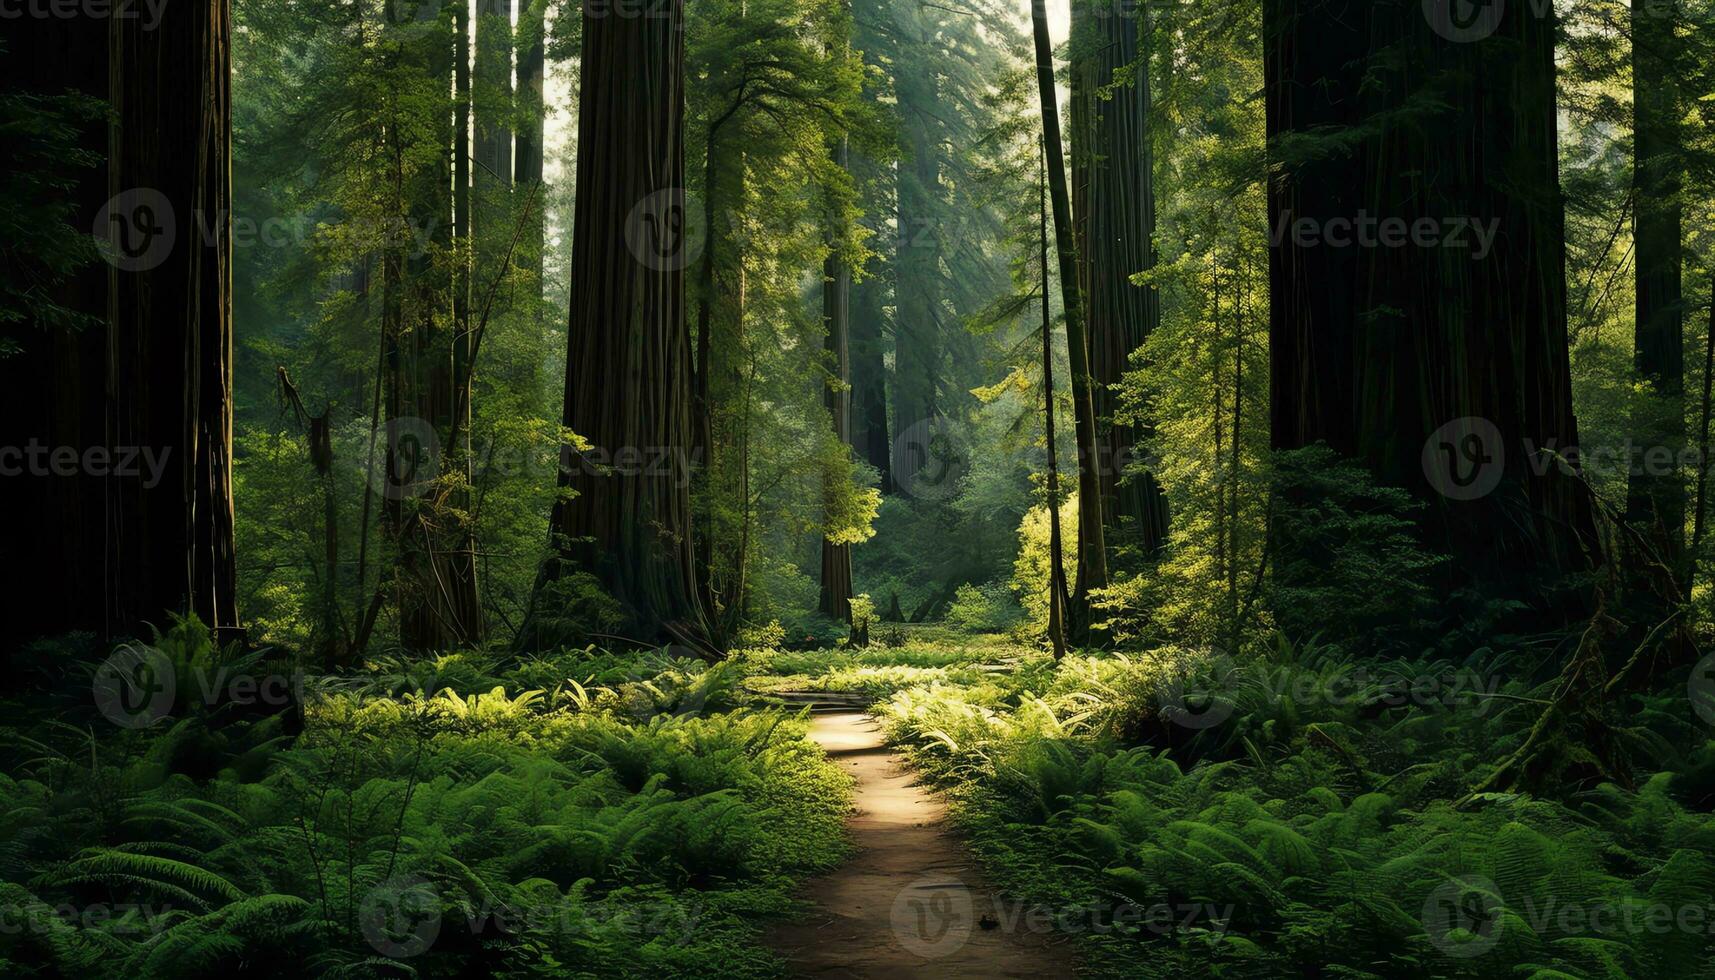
<point x="1442" y="364"/>
<point x="129" y="517"/>
<point x="1656" y="498"/>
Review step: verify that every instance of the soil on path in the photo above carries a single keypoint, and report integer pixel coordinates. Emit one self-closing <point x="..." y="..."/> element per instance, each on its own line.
<point x="909" y="902"/>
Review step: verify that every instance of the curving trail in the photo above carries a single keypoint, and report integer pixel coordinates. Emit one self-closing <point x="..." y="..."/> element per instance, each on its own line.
<point x="910" y="901"/>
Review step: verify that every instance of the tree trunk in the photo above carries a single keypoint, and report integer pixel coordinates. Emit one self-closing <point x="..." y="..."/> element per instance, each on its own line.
<point x="1442" y="368"/>
<point x="1113" y="172"/>
<point x="1656" y="495"/>
<point x="1056" y="545"/>
<point x="628" y="357"/>
<point x="870" y="433"/>
<point x="836" y="596"/>
<point x="126" y="514"/>
<point x="1700" y="509"/>
<point x="918" y="350"/>
<point x="493" y="94"/>
<point x="528" y="148"/>
<point x="1092" y="551"/>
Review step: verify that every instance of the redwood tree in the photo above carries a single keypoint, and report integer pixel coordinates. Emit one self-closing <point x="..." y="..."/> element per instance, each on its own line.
<point x="1113" y="202"/>
<point x="1092" y="550"/>
<point x="1388" y="351"/>
<point x="836" y="594"/>
<point x="130" y="517"/>
<point x="1657" y="499"/>
<point x="628" y="364"/>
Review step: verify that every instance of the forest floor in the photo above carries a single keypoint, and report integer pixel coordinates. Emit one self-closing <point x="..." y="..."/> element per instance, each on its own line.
<point x="910" y="901"/>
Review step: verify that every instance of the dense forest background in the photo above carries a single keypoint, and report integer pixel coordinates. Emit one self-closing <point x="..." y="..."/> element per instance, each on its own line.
<point x="1252" y="458"/>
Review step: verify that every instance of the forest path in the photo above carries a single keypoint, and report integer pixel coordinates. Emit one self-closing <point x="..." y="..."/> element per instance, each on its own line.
<point x="909" y="902"/>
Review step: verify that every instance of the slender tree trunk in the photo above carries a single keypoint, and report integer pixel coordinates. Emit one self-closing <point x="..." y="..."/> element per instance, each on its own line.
<point x="1092" y="551"/>
<point x="1440" y="368"/>
<point x="1235" y="465"/>
<point x="100" y="543"/>
<point x="1113" y="172"/>
<point x="869" y="378"/>
<point x="628" y="358"/>
<point x="836" y="597"/>
<point x="1057" y="597"/>
<point x="1656" y="495"/>
<point x="1700" y="511"/>
<point x="720" y="391"/>
<point x="440" y="601"/>
<point x="528" y="148"/>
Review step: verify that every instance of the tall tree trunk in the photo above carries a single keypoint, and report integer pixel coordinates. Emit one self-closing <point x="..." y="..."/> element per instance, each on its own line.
<point x="1441" y="368"/>
<point x="1057" y="597"/>
<point x="918" y="348"/>
<point x="836" y="596"/>
<point x="127" y="517"/>
<point x="439" y="601"/>
<point x="870" y="433"/>
<point x="1114" y="200"/>
<point x="493" y="95"/>
<point x="1092" y="550"/>
<point x="628" y="359"/>
<point x="720" y="390"/>
<point x="528" y="148"/>
<point x="1700" y="508"/>
<point x="1655" y="494"/>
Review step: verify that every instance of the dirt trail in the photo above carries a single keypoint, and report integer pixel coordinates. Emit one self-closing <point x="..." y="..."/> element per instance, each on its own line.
<point x="909" y="902"/>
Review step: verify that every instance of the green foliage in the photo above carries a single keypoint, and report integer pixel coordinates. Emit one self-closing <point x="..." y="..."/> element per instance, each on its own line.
<point x="990" y="608"/>
<point x="1311" y="828"/>
<point x="45" y="138"/>
<point x="1349" y="565"/>
<point x="546" y="826"/>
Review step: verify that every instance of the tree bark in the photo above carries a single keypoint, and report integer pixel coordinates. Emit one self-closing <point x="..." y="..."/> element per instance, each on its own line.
<point x="1657" y="499"/>
<point x="918" y="350"/>
<point x="106" y="540"/>
<point x="1387" y="353"/>
<point x="836" y="595"/>
<point x="1092" y="550"/>
<point x="628" y="358"/>
<point x="529" y="146"/>
<point x="1056" y="545"/>
<point x="869" y="378"/>
<point x="1113" y="173"/>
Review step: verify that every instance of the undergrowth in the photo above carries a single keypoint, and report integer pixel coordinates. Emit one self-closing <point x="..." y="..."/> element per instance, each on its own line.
<point x="582" y="815"/>
<point x="1297" y="813"/>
